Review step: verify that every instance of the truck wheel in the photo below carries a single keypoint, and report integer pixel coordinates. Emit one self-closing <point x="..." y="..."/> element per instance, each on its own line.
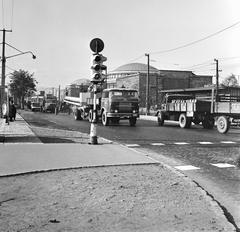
<point x="160" y="118"/>
<point x="105" y="119"/>
<point x="90" y="115"/>
<point x="56" y="110"/>
<point x="132" y="121"/>
<point x="184" y="121"/>
<point x="77" y="115"/>
<point x="208" y="123"/>
<point x="223" y="124"/>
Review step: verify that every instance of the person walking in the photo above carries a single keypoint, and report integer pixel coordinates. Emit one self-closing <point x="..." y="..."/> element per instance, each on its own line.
<point x="12" y="111"/>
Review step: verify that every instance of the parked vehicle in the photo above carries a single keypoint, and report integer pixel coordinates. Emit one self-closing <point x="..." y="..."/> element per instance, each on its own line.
<point x="113" y="105"/>
<point x="35" y="102"/>
<point x="187" y="109"/>
<point x="49" y="104"/>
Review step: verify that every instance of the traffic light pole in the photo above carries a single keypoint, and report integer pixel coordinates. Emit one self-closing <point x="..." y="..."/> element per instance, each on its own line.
<point x="93" y="129"/>
<point x="97" y="67"/>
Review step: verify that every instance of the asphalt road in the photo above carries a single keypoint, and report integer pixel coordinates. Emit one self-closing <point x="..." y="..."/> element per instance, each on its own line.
<point x="206" y="156"/>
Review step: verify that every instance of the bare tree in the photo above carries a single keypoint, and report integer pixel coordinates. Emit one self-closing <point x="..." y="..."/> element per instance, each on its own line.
<point x="230" y="81"/>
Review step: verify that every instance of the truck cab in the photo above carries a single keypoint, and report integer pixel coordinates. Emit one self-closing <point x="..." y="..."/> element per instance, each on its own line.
<point x="119" y="103"/>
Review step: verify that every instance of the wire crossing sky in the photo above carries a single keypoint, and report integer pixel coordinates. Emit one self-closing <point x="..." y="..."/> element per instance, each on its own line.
<point x="178" y="35"/>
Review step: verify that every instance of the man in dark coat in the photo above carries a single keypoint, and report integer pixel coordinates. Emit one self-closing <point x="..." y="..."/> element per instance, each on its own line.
<point x="12" y="111"/>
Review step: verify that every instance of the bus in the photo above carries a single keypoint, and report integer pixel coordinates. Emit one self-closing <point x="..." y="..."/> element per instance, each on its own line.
<point x="36" y="102"/>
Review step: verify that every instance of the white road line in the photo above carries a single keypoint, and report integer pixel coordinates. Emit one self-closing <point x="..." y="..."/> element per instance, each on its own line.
<point x="132" y="145"/>
<point x="157" y="144"/>
<point x="186" y="167"/>
<point x="227" y="142"/>
<point x="223" y="165"/>
<point x="181" y="143"/>
<point x="205" y="142"/>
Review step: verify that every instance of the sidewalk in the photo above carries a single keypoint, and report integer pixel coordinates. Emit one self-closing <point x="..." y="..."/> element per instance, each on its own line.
<point x="160" y="198"/>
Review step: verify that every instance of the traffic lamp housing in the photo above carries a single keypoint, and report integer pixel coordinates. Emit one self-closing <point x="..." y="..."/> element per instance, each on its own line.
<point x="97" y="68"/>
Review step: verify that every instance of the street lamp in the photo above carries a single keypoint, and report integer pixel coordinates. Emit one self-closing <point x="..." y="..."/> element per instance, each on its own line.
<point x="147" y="86"/>
<point x="4" y="66"/>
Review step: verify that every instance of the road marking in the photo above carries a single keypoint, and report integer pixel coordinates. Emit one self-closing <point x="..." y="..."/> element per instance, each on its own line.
<point x="132" y="145"/>
<point x="181" y="143"/>
<point x="227" y="142"/>
<point x="205" y="143"/>
<point x="157" y="144"/>
<point x="223" y="165"/>
<point x="186" y="167"/>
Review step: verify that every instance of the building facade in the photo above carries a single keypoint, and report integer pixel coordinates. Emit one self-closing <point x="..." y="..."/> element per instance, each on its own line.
<point x="135" y="75"/>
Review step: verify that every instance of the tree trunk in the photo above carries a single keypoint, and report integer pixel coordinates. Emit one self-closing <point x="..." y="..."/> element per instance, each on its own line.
<point x="22" y="103"/>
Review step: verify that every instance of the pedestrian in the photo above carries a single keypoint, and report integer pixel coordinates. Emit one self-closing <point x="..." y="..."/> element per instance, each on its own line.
<point x="12" y="111"/>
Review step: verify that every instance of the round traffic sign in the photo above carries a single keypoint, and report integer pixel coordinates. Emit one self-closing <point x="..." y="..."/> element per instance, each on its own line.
<point x="96" y="45"/>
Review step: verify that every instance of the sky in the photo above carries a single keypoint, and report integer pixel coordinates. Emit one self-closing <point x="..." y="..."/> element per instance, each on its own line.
<point x="177" y="35"/>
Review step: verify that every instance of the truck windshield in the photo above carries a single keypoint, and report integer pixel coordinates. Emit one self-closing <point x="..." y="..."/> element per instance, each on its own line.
<point x="123" y="94"/>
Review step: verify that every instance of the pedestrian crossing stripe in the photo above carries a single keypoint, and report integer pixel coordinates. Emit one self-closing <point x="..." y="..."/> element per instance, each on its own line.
<point x="181" y="143"/>
<point x="186" y="167"/>
<point x="227" y="142"/>
<point x="223" y="165"/>
<point x="205" y="142"/>
<point x="157" y="144"/>
<point x="132" y="145"/>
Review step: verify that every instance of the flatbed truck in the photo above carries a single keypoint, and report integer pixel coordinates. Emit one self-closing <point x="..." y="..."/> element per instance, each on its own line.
<point x="187" y="109"/>
<point x="113" y="105"/>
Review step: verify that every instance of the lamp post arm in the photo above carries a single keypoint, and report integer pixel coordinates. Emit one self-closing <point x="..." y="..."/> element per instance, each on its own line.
<point x="22" y="53"/>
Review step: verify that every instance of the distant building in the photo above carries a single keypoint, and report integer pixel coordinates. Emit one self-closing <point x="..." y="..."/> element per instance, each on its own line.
<point x="79" y="86"/>
<point x="134" y="75"/>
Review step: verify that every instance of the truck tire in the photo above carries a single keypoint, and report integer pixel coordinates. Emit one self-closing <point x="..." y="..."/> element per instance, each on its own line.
<point x="223" y="124"/>
<point x="105" y="119"/>
<point x="132" y="121"/>
<point x="184" y="121"/>
<point x="160" y="118"/>
<point x="77" y="115"/>
<point x="208" y="123"/>
<point x="90" y="115"/>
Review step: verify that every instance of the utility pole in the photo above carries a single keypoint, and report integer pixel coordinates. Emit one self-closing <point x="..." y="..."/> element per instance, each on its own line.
<point x="3" y="69"/>
<point x="147" y="86"/>
<point x="217" y="79"/>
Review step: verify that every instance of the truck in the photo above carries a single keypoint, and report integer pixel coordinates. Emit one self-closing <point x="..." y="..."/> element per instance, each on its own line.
<point x="49" y="103"/>
<point x="186" y="108"/>
<point x="113" y="105"/>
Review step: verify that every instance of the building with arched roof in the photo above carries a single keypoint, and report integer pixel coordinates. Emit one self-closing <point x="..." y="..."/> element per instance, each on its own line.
<point x="134" y="75"/>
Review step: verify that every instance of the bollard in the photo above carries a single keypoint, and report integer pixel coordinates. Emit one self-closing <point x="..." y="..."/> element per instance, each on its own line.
<point x="93" y="133"/>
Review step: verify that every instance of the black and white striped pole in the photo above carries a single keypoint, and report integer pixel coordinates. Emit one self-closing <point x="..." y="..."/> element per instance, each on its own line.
<point x="97" y="77"/>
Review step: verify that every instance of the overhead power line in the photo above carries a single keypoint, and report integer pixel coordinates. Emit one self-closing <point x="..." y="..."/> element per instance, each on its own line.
<point x="173" y="49"/>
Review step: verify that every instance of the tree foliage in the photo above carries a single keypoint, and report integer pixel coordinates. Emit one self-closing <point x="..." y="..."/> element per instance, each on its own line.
<point x="22" y="84"/>
<point x="230" y="81"/>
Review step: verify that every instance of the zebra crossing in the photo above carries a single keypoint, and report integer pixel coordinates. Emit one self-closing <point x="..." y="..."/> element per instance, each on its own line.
<point x="191" y="167"/>
<point x="184" y="143"/>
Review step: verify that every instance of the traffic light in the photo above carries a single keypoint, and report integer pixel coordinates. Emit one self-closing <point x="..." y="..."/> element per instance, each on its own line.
<point x="97" y="68"/>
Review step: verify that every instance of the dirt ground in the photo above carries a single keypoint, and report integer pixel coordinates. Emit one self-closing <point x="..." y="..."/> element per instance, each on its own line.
<point x="114" y="198"/>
